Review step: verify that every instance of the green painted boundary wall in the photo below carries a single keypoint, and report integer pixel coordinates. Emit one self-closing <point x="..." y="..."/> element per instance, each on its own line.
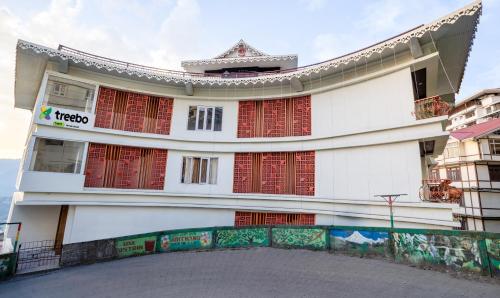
<point x="452" y="250"/>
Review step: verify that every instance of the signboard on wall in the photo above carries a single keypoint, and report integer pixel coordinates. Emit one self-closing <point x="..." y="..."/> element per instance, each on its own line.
<point x="186" y="240"/>
<point x="54" y="116"/>
<point x="135" y="246"/>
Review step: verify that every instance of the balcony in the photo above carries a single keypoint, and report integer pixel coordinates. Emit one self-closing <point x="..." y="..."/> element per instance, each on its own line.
<point x="440" y="191"/>
<point x="431" y="107"/>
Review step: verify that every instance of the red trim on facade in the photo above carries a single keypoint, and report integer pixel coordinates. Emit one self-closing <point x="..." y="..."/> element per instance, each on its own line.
<point x="242" y="172"/>
<point x="275" y="118"/>
<point x="111" y="166"/>
<point x="131" y="111"/>
<point x="275" y="173"/>
<point x="242" y="219"/>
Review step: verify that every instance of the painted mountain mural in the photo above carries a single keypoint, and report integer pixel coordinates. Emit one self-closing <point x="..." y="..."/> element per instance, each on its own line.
<point x="360" y="242"/>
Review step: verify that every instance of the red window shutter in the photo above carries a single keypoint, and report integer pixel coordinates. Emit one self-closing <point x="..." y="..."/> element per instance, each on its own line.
<point x="95" y="166"/>
<point x="158" y="169"/>
<point x="304" y="168"/>
<point x="165" y="107"/>
<point x="242" y="180"/>
<point x="135" y="112"/>
<point x="301" y="121"/>
<point x="104" y="107"/>
<point x="246" y="119"/>
<point x="274" y="118"/>
<point x="274" y="173"/>
<point x="242" y="219"/>
<point x="128" y="166"/>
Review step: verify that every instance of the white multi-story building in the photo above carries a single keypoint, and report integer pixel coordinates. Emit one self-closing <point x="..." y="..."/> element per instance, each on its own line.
<point x="478" y="108"/>
<point x="246" y="138"/>
<point x="471" y="160"/>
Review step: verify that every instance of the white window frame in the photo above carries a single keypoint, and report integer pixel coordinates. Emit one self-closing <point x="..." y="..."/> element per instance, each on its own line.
<point x="205" y="120"/>
<point x="188" y="179"/>
<point x="205" y="123"/>
<point x="59" y="89"/>
<point x="491" y="144"/>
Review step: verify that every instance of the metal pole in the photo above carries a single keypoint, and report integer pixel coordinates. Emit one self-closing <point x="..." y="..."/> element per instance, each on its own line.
<point x="392" y="215"/>
<point x="17" y="236"/>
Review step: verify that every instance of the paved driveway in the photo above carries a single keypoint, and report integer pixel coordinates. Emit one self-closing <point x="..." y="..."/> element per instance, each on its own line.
<point x="260" y="272"/>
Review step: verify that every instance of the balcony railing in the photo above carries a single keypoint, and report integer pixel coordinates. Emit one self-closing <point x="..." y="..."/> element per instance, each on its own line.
<point x="431" y="107"/>
<point x="440" y="191"/>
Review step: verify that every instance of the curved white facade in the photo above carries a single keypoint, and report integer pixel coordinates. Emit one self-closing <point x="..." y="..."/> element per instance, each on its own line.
<point x="364" y="136"/>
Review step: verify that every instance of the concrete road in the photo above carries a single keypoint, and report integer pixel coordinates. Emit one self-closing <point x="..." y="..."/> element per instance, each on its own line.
<point x="260" y="272"/>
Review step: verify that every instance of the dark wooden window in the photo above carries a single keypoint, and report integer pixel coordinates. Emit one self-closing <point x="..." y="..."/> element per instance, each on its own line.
<point x="494" y="171"/>
<point x="434" y="174"/>
<point x="418" y="79"/>
<point x="453" y="173"/>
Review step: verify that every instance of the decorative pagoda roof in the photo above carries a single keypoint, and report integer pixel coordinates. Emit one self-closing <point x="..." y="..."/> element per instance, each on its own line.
<point x="241" y="54"/>
<point x="241" y="49"/>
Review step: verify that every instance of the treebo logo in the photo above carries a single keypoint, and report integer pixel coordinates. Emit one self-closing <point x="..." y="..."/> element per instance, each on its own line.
<point x="45" y="113"/>
<point x="71" y="117"/>
<point x="62" y="116"/>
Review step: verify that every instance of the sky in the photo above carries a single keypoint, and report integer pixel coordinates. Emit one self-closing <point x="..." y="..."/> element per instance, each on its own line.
<point x="161" y="33"/>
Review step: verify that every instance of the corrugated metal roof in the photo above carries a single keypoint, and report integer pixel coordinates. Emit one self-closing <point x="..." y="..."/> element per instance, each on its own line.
<point x="477" y="130"/>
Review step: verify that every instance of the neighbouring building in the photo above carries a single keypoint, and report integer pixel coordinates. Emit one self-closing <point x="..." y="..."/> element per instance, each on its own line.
<point x="471" y="160"/>
<point x="478" y="108"/>
<point x="245" y="138"/>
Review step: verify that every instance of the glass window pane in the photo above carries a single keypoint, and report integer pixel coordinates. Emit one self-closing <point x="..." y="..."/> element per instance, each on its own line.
<point x="195" y="176"/>
<point x="69" y="94"/>
<point x="213" y="170"/>
<point x="209" y="118"/>
<point x="201" y="118"/>
<point x="218" y="119"/>
<point x="204" y="168"/>
<point x="57" y="156"/>
<point x="192" y="118"/>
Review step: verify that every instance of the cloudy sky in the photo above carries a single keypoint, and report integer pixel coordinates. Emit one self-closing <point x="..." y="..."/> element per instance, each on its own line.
<point x="161" y="33"/>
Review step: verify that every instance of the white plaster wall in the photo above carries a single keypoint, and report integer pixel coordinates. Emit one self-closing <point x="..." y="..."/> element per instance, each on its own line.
<point x="87" y="223"/>
<point x="324" y="219"/>
<point x="47" y="181"/>
<point x="224" y="174"/>
<point x="490" y="200"/>
<point x="179" y="123"/>
<point x="38" y="222"/>
<point x="362" y="172"/>
<point x="375" y="104"/>
<point x="492" y="226"/>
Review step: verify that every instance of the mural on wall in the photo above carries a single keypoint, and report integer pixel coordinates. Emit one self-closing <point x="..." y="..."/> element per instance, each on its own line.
<point x="135" y="246"/>
<point x="242" y="237"/>
<point x="360" y="242"/>
<point x="5" y="265"/>
<point x="299" y="237"/>
<point x="457" y="252"/>
<point x="185" y="241"/>
<point x="493" y="248"/>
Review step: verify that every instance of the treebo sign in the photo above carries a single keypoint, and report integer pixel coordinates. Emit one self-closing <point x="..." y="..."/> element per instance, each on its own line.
<point x="71" y="117"/>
